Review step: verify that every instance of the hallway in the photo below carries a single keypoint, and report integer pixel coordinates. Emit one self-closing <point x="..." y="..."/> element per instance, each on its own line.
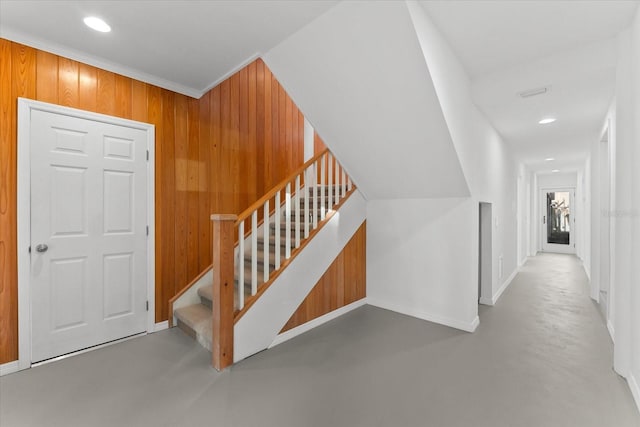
<point x="540" y="358"/>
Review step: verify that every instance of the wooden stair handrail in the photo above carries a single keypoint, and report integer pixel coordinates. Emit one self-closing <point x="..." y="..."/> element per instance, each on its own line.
<point x="281" y="185"/>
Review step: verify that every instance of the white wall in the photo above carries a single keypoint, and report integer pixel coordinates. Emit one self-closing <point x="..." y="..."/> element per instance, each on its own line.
<point x="523" y="216"/>
<point x="396" y="109"/>
<point x="557" y="180"/>
<point x="422" y="254"/>
<point x="369" y="91"/>
<point x="634" y="300"/>
<point x="422" y="259"/>
<point x="624" y="214"/>
<point x="587" y="223"/>
<point x="487" y="161"/>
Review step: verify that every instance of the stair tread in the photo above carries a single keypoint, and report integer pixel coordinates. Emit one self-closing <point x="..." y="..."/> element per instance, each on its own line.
<point x="199" y="318"/>
<point x="194" y="315"/>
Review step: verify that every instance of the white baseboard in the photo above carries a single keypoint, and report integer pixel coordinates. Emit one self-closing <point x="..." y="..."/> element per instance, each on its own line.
<point x="612" y="332"/>
<point x="498" y="294"/>
<point x="435" y="318"/>
<point x="505" y="285"/>
<point x="299" y="330"/>
<point x="9" y="368"/>
<point x="161" y="326"/>
<point x="635" y="390"/>
<point x="486" y="301"/>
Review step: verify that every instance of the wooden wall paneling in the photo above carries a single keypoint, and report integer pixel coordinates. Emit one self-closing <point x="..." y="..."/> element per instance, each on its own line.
<point x="318" y="143"/>
<point x="20" y="70"/>
<point x="47" y="77"/>
<point x="204" y="183"/>
<point x="361" y="284"/>
<point x="252" y="159"/>
<point x="343" y="283"/>
<point x="300" y="142"/>
<point x="281" y="169"/>
<point x="244" y="152"/>
<point x="217" y="154"/>
<point x="260" y="129"/>
<point x="351" y="271"/>
<point x="268" y="129"/>
<point x="193" y="188"/>
<point x="168" y="188"/>
<point x="335" y="283"/>
<point x="271" y="131"/>
<point x="23" y="66"/>
<point x="234" y="189"/>
<point x="289" y="129"/>
<point x="224" y="177"/>
<point x="138" y="101"/>
<point x="88" y="88"/>
<point x="122" y="103"/>
<point x="105" y="100"/>
<point x="8" y="261"/>
<point x="68" y="86"/>
<point x="182" y="189"/>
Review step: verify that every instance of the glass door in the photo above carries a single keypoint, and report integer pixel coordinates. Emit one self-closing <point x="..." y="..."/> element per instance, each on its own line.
<point x="558" y="221"/>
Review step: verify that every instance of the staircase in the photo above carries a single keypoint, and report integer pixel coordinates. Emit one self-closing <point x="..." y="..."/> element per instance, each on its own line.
<point x="196" y="319"/>
<point x="257" y="251"/>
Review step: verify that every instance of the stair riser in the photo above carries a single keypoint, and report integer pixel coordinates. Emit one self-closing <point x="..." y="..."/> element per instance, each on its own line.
<point x="186" y="329"/>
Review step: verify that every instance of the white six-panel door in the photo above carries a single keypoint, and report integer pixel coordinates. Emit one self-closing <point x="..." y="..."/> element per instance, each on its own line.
<point x="88" y="233"/>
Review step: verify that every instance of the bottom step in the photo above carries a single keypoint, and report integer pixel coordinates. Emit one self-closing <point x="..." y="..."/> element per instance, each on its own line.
<point x="196" y="321"/>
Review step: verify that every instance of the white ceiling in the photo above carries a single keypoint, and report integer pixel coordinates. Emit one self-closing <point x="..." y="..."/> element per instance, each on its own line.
<point x="186" y="46"/>
<point x="506" y="46"/>
<point x="511" y="46"/>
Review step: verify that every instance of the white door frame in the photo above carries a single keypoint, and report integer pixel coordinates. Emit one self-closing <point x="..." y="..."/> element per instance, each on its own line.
<point x="571" y="248"/>
<point x="25" y="107"/>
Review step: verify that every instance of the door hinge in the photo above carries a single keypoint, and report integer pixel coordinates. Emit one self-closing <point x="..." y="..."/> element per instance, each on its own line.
<point x="147" y="230"/>
<point x="147" y="305"/>
<point x="147" y="155"/>
<point x="29" y="249"/>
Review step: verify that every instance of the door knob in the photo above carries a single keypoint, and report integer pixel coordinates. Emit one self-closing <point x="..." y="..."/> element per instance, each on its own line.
<point x="42" y="247"/>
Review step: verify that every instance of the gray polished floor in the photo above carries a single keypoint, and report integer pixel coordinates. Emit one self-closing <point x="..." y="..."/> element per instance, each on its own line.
<point x="541" y="358"/>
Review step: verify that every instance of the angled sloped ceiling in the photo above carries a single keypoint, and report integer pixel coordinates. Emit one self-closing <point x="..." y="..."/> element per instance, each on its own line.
<point x="359" y="75"/>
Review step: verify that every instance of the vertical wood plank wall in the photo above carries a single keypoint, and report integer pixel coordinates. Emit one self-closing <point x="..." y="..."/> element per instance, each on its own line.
<point x="217" y="154"/>
<point x="343" y="283"/>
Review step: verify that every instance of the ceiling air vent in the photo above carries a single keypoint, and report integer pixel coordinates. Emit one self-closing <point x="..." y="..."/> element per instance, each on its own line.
<point x="533" y="92"/>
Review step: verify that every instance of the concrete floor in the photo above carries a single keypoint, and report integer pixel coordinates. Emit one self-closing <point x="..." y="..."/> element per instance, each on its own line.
<point x="541" y="358"/>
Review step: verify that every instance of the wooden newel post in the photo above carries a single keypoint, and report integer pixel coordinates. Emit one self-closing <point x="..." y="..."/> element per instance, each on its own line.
<point x="223" y="290"/>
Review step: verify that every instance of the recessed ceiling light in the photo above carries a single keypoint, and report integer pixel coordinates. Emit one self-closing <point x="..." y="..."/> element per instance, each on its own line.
<point x="549" y="159"/>
<point x="547" y="120"/>
<point x="555" y="170"/>
<point x="97" y="24"/>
